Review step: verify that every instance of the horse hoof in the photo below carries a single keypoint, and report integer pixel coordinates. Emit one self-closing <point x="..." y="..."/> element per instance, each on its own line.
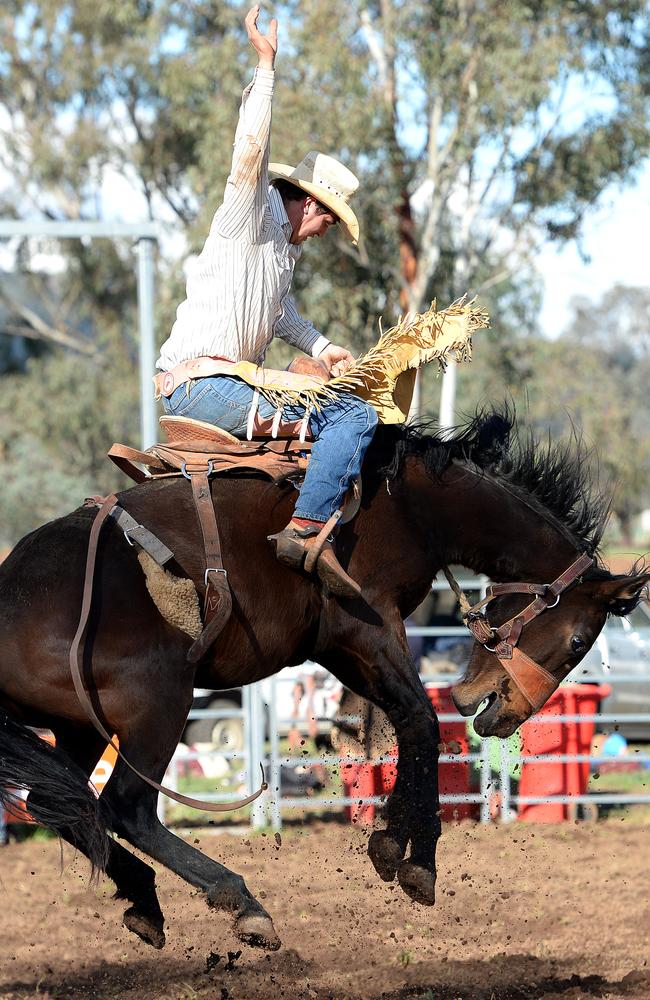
<point x="258" y="932"/>
<point x="147" y="928"/>
<point x="385" y="854"/>
<point x="417" y="882"/>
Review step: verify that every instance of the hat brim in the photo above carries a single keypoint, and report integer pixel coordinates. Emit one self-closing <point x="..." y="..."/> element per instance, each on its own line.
<point x="339" y="207"/>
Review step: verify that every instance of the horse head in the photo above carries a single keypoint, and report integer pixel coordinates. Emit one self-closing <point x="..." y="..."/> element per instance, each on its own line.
<point x="547" y="648"/>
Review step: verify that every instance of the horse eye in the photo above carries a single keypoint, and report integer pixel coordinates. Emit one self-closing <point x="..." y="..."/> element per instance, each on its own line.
<point x="578" y="644"/>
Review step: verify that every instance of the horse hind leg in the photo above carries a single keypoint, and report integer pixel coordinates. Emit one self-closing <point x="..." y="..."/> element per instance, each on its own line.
<point x="134" y="879"/>
<point x="133" y="805"/>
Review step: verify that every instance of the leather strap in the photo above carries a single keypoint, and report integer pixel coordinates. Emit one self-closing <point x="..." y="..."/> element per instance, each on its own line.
<point x="570" y="574"/>
<point x="217" y="603"/>
<point x="136" y="533"/>
<point x="480" y="629"/>
<point x="535" y="683"/>
<point x="536" y="607"/>
<point x="317" y="545"/>
<point x="166" y="383"/>
<point x="347" y="513"/>
<point x="124" y="457"/>
<point x="76" y="653"/>
<point x="496" y="589"/>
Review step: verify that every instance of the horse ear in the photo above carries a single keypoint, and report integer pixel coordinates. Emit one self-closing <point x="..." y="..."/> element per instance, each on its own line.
<point x="623" y="593"/>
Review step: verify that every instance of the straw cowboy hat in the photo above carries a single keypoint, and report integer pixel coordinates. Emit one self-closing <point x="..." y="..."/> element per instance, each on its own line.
<point x="327" y="180"/>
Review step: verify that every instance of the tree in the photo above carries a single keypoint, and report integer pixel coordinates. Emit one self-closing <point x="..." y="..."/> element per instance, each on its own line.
<point x="502" y="149"/>
<point x="460" y="119"/>
<point x="592" y="381"/>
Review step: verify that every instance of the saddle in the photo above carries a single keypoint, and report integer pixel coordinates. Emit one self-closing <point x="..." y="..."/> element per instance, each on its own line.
<point x="195" y="444"/>
<point x="199" y="450"/>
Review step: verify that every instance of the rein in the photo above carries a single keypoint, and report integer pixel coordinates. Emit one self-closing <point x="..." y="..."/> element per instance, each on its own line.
<point x="534" y="682"/>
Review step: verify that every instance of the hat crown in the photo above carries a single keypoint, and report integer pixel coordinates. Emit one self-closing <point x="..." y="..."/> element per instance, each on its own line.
<point x="326" y="180"/>
<point x="326" y="172"/>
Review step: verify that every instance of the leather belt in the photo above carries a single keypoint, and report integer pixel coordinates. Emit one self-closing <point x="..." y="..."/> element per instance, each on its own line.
<point x="166" y="383"/>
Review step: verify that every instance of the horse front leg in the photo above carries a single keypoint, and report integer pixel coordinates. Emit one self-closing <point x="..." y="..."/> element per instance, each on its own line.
<point x="389" y="679"/>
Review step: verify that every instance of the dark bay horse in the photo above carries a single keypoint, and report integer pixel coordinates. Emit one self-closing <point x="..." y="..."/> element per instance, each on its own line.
<point x="508" y="509"/>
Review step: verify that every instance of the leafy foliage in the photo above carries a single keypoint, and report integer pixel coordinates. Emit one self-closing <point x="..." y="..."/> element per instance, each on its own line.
<point x="466" y="123"/>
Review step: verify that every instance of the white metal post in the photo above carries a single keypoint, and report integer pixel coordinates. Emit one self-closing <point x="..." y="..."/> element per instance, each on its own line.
<point x="506" y="805"/>
<point x="275" y="767"/>
<point x="447" y="417"/>
<point x="254" y="709"/>
<point x="486" y="780"/>
<point x="148" y="420"/>
<point x="146" y="233"/>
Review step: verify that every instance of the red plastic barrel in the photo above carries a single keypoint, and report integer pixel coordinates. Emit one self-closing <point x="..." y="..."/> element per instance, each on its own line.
<point x="556" y="737"/>
<point x="366" y="780"/>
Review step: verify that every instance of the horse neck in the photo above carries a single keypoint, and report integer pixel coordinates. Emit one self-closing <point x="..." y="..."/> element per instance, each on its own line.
<point x="475" y="521"/>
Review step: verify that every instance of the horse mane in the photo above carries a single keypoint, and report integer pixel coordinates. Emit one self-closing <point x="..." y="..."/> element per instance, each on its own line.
<point x="552" y="477"/>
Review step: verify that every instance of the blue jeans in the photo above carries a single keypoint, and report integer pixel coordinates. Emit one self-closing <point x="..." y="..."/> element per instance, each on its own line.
<point x="342" y="431"/>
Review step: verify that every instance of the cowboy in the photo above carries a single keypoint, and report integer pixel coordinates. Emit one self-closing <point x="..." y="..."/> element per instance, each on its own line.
<point x="238" y="299"/>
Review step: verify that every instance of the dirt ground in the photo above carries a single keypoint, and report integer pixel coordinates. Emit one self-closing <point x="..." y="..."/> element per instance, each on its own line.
<point x="523" y="912"/>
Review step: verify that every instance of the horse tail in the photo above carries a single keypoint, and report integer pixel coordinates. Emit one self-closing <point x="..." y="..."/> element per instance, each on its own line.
<point x="60" y="797"/>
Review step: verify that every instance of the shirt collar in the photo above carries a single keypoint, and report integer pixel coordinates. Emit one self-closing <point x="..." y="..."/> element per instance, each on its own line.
<point x="279" y="215"/>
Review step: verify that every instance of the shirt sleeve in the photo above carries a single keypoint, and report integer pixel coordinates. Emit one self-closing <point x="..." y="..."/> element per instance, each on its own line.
<point x="299" y="332"/>
<point x="241" y="215"/>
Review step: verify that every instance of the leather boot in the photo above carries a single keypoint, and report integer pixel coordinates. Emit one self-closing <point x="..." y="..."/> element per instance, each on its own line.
<point x="291" y="546"/>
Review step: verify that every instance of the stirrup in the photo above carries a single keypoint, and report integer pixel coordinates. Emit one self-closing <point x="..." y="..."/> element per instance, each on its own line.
<point x="292" y="548"/>
<point x="289" y="544"/>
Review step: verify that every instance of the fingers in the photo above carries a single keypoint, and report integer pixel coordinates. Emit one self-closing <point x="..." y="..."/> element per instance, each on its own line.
<point x="250" y="21"/>
<point x="340" y="367"/>
<point x="265" y="45"/>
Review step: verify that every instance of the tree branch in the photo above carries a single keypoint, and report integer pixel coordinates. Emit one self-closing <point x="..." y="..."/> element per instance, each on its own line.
<point x="41" y="330"/>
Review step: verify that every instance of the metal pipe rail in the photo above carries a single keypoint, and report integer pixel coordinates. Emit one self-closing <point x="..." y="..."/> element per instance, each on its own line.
<point x="262" y="717"/>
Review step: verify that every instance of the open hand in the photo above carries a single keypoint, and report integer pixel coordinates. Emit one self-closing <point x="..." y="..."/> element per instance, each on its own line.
<point x="337" y="359"/>
<point x="265" y="45"/>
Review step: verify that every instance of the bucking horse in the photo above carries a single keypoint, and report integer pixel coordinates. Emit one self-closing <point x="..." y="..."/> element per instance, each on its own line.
<point x="488" y="498"/>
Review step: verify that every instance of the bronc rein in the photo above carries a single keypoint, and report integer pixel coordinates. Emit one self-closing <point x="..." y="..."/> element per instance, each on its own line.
<point x="534" y="682"/>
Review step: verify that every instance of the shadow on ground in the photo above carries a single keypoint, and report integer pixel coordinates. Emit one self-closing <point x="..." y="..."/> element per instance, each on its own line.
<point x="287" y="975"/>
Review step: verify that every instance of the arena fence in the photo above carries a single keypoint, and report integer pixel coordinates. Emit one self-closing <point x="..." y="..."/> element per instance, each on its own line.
<point x="493" y="761"/>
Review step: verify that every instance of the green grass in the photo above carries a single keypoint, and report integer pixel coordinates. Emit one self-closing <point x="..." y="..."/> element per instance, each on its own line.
<point x="622" y="782"/>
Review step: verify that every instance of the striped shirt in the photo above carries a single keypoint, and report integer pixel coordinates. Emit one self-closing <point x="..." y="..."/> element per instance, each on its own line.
<point x="237" y="296"/>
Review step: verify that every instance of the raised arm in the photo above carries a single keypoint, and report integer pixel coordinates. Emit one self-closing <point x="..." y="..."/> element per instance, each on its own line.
<point x="245" y="196"/>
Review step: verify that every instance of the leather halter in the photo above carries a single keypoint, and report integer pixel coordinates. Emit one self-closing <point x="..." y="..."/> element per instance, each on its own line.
<point x="534" y="682"/>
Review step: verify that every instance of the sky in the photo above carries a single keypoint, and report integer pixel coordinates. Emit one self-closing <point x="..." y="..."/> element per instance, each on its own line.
<point x="616" y="243"/>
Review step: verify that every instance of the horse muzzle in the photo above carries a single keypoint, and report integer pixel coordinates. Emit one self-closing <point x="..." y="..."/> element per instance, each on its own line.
<point x="496" y="718"/>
